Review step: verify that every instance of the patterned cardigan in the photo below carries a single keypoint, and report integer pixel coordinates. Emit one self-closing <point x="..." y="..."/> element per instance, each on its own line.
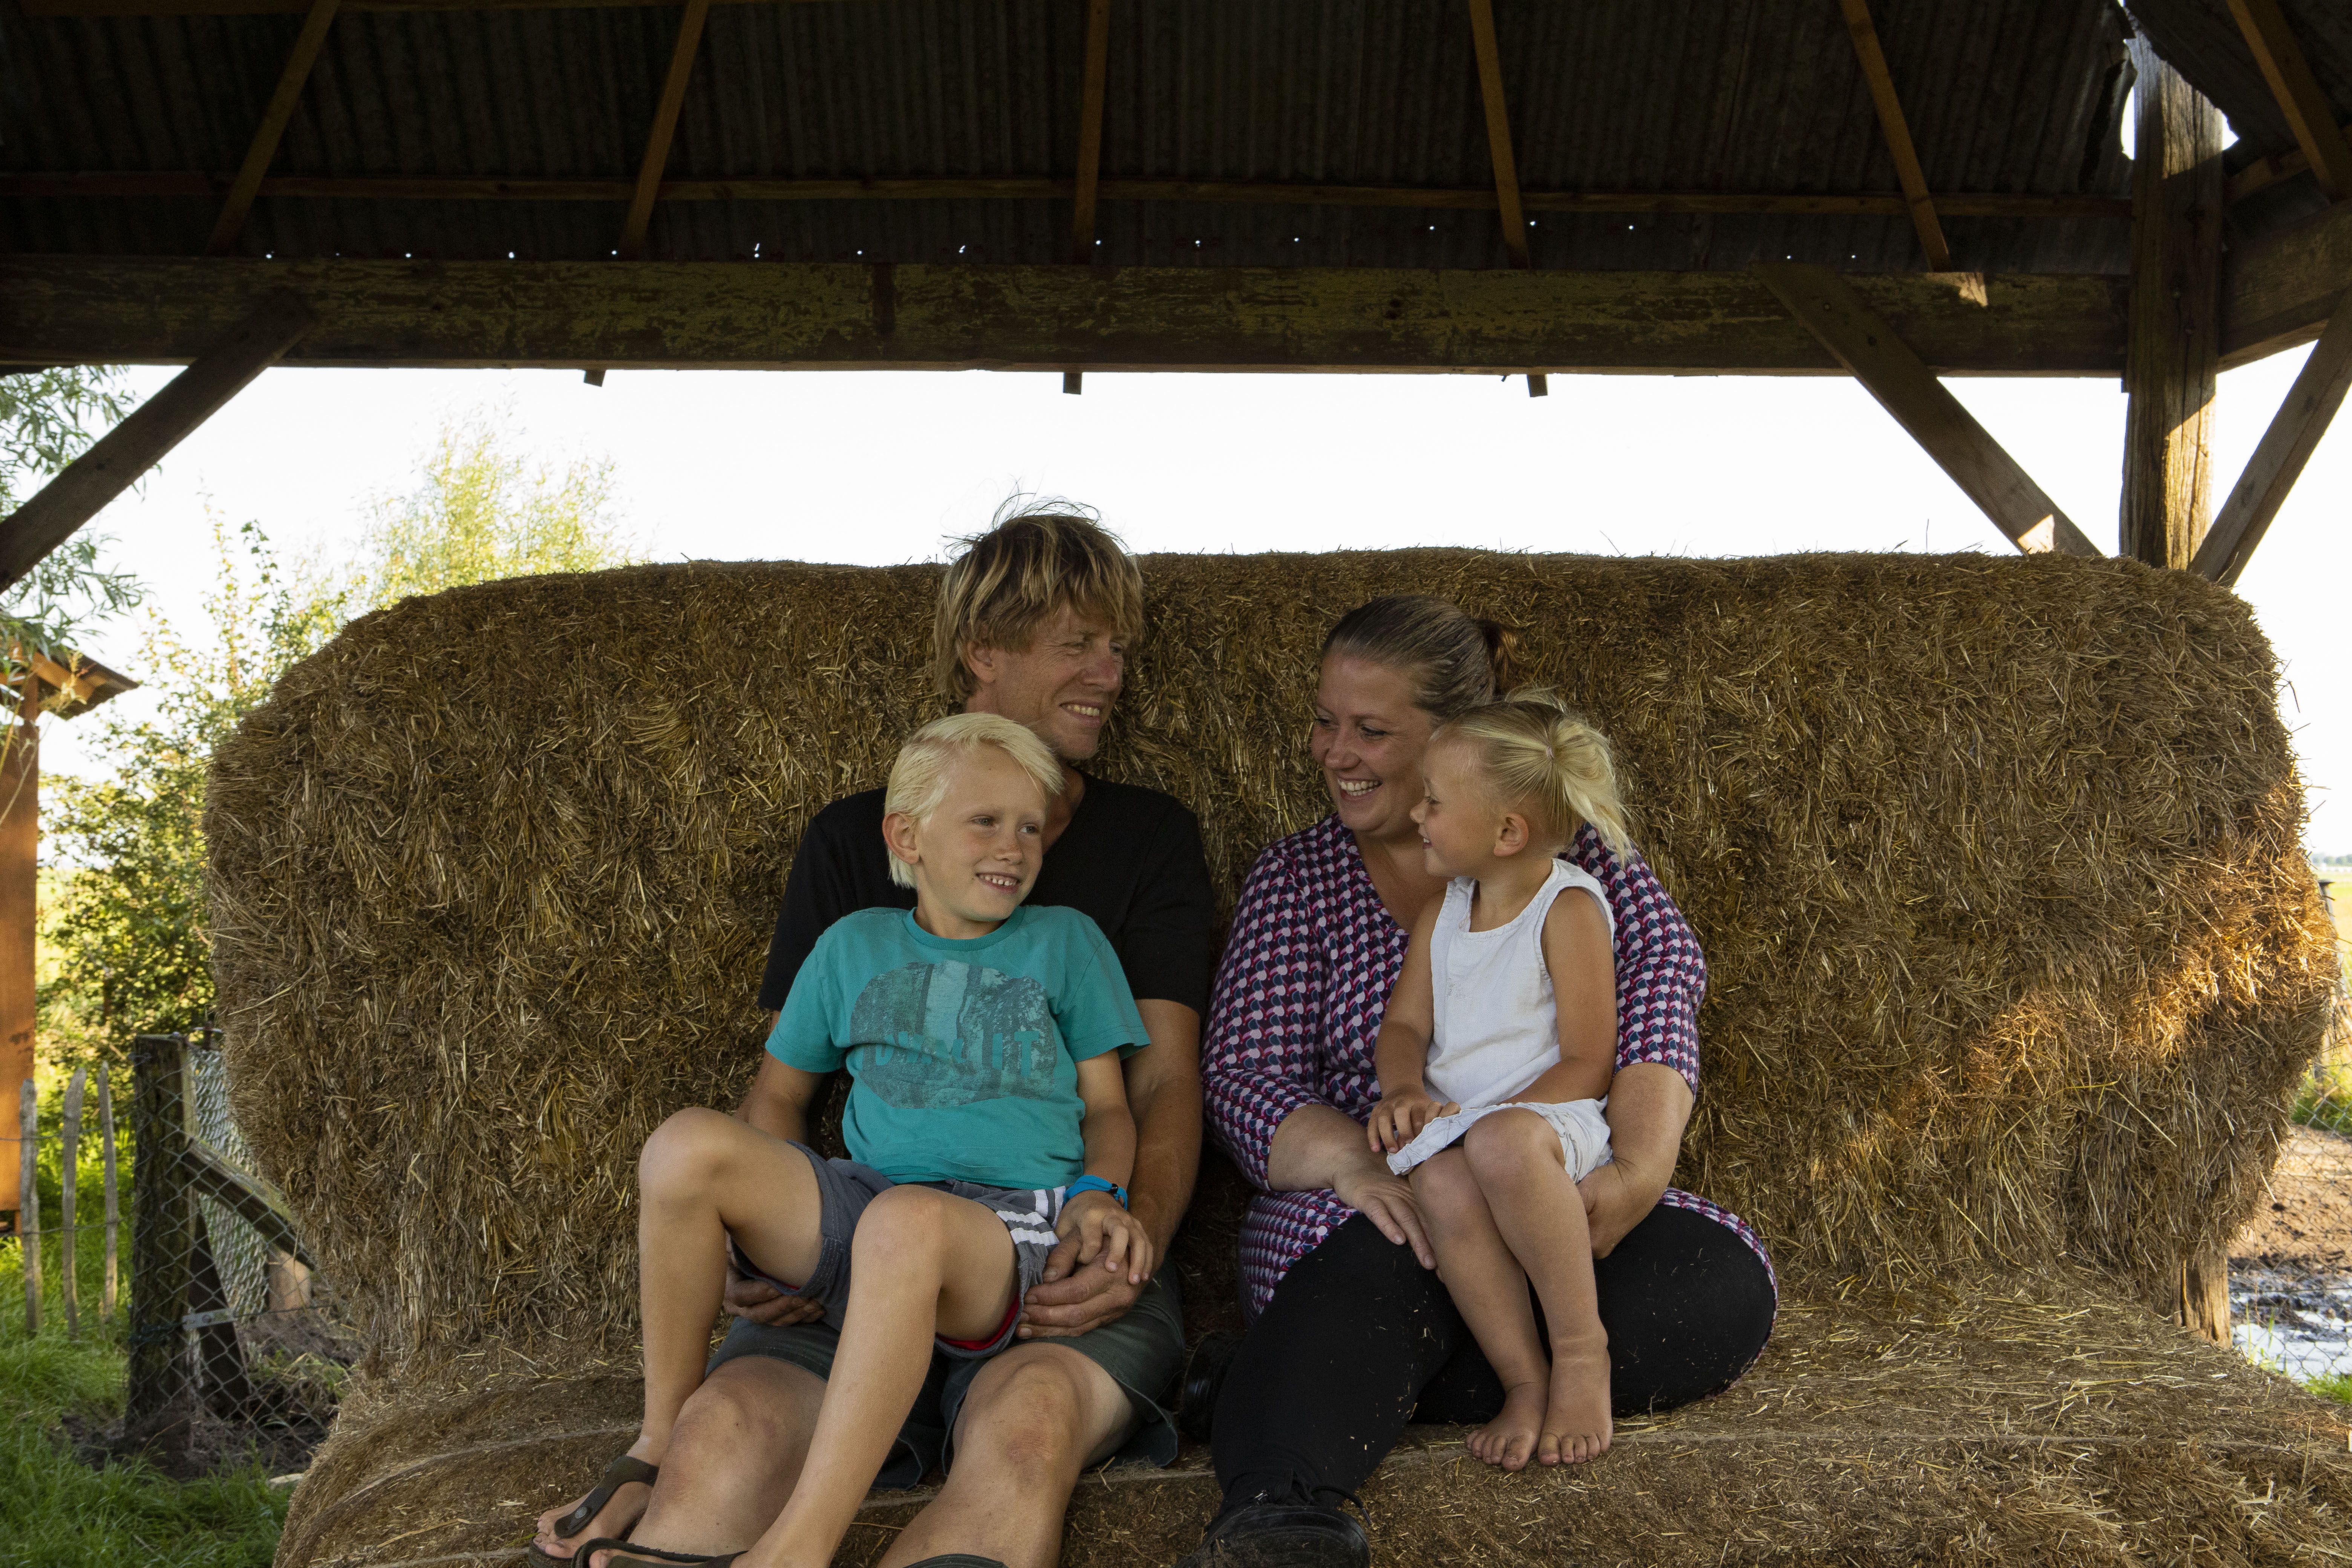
<point x="1306" y="979"/>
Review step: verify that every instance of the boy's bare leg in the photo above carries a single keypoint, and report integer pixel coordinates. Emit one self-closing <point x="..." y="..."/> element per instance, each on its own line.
<point x="703" y="1174"/>
<point x="1033" y="1421"/>
<point x="1524" y="1173"/>
<point x="923" y="1262"/>
<point x="1490" y="1291"/>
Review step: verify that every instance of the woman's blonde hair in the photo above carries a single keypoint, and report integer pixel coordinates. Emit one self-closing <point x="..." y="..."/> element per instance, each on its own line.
<point x="918" y="779"/>
<point x="1001" y="585"/>
<point x="1539" y="756"/>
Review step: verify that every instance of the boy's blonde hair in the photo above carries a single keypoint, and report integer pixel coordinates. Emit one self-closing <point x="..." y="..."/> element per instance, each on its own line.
<point x="1004" y="584"/>
<point x="1537" y="756"/>
<point x="918" y="779"/>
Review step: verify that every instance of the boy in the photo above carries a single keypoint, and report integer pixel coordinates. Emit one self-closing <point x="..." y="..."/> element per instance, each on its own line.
<point x="982" y="1037"/>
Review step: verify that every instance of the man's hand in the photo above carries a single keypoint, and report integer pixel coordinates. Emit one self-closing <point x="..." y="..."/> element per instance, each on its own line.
<point x="1617" y="1197"/>
<point x="764" y="1303"/>
<point x="1077" y="1293"/>
<point x="1399" y="1117"/>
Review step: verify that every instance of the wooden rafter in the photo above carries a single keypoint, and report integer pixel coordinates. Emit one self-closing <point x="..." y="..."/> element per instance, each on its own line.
<point x="658" y="139"/>
<point x="1476" y="198"/>
<point x="1896" y="375"/>
<point x="1086" y="190"/>
<point x="1499" y="149"/>
<point x="2263" y="173"/>
<point x="2285" y="447"/>
<point x="2279" y="290"/>
<point x="2299" y="98"/>
<point x="283" y="7"/>
<point x="282" y="101"/>
<point x="116" y="461"/>
<point x="1897" y="132"/>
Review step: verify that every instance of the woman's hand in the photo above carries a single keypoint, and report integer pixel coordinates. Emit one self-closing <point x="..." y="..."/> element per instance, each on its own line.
<point x="1380" y="1195"/>
<point x="1616" y="1199"/>
<point x="764" y="1303"/>
<point x="1106" y="1235"/>
<point x="1399" y="1117"/>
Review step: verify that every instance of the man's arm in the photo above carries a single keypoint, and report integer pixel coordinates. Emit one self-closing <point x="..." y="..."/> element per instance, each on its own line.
<point x="1164" y="1092"/>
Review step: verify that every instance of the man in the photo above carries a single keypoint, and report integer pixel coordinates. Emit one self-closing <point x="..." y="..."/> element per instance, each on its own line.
<point x="1033" y="622"/>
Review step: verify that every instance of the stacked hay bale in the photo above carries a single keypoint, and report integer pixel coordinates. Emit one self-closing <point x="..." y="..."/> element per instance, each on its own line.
<point x="2014" y="955"/>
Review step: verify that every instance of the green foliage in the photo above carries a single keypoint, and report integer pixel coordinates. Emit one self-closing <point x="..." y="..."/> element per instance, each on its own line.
<point x="44" y="417"/>
<point x="2325" y="1098"/>
<point x="2336" y="1385"/>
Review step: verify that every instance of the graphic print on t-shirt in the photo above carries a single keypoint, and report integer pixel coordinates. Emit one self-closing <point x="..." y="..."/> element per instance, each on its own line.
<point x="944" y="1034"/>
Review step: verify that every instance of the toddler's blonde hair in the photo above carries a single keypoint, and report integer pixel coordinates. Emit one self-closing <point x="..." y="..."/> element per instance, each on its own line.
<point x="1539" y="756"/>
<point x="918" y="779"/>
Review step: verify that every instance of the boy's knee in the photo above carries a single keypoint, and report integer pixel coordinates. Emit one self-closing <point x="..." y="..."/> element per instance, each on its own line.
<point x="899" y="1220"/>
<point x="1511" y="1141"/>
<point x="682" y="1148"/>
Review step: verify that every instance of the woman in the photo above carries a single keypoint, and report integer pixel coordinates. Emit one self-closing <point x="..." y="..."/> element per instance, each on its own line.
<point x="1353" y="1335"/>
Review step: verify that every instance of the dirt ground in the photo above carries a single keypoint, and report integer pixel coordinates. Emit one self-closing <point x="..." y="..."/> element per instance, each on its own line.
<point x="2307" y="1227"/>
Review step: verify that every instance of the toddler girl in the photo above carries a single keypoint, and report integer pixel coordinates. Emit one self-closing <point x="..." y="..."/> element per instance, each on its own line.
<point x="1495" y="1057"/>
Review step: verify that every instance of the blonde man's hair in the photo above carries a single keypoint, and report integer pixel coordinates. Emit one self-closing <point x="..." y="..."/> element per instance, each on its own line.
<point x="918" y="779"/>
<point x="1003" y="585"/>
<point x="1537" y="756"/>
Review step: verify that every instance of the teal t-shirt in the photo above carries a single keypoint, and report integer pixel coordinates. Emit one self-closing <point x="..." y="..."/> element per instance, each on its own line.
<point x="963" y="1056"/>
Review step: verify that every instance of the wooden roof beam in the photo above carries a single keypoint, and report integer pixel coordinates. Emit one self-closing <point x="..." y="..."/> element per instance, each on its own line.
<point x="1086" y="190"/>
<point x="117" y="458"/>
<point x="1499" y="149"/>
<point x="1896" y="375"/>
<point x="1897" y="130"/>
<point x="657" y="139"/>
<point x="2279" y="291"/>
<point x="2286" y="446"/>
<point x="238" y="204"/>
<point x="2299" y="98"/>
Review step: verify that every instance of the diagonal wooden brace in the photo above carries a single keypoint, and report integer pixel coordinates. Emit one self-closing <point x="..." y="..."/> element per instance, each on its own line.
<point x="2285" y="447"/>
<point x="1905" y="386"/>
<point x="87" y="484"/>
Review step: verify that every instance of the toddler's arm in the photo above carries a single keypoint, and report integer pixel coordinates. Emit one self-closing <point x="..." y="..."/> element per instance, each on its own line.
<point x="1105" y="1229"/>
<point x="1400" y="1055"/>
<point x="1577" y="953"/>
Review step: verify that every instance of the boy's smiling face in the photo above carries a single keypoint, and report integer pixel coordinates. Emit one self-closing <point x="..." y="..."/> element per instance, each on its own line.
<point x="976" y="856"/>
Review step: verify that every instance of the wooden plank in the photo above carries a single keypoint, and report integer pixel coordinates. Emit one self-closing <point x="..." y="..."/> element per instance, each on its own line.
<point x="29" y="1200"/>
<point x="70" y="1164"/>
<point x="1896" y="375"/>
<point x="769" y="315"/>
<point x="658" y="139"/>
<point x="1498" y="148"/>
<point x="264" y="147"/>
<point x="2279" y="291"/>
<point x="162" y="1231"/>
<point x="2300" y="96"/>
<point x="285" y="7"/>
<point x="2172" y="361"/>
<point x="193" y="183"/>
<point x="20" y="816"/>
<point x="2263" y="173"/>
<point x="1086" y="190"/>
<point x="113" y="1208"/>
<point x="209" y="1173"/>
<point x="2286" y="446"/>
<point x="111" y="466"/>
<point x="1897" y="132"/>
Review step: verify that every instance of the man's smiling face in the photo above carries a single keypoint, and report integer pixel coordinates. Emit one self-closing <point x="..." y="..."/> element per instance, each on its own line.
<point x="1061" y="686"/>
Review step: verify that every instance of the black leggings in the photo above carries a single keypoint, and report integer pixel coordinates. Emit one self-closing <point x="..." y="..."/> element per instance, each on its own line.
<point x="1360" y="1339"/>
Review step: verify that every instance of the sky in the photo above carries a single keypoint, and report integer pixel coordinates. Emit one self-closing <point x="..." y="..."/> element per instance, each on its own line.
<point x="879" y="468"/>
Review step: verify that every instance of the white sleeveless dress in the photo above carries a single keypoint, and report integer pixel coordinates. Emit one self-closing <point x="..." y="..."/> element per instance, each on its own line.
<point x="1496" y="1025"/>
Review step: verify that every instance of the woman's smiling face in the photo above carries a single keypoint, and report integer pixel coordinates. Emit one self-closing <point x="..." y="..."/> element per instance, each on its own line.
<point x="1368" y="738"/>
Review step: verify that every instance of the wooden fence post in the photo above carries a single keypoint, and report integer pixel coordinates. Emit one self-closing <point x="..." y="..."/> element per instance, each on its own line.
<point x="162" y="1224"/>
<point x="70" y="1287"/>
<point x="114" y="1217"/>
<point x="29" y="1200"/>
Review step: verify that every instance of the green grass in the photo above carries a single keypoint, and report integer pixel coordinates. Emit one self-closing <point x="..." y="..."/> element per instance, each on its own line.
<point x="2325" y="1098"/>
<point x="2336" y="1385"/>
<point x="55" y="1510"/>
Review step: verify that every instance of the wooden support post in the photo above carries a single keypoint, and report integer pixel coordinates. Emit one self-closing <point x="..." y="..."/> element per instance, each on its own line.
<point x="1897" y="132"/>
<point x="2300" y="96"/>
<point x="658" y="139"/>
<point x="70" y="1162"/>
<point x="2205" y="1295"/>
<point x="2285" y="447"/>
<point x="115" y="463"/>
<point x="1094" y="90"/>
<point x="1905" y="388"/>
<point x="162" y="1229"/>
<point x="20" y="815"/>
<point x="1484" y="45"/>
<point x="113" y="1213"/>
<point x="29" y="1201"/>
<point x="2172" y="361"/>
<point x="248" y="183"/>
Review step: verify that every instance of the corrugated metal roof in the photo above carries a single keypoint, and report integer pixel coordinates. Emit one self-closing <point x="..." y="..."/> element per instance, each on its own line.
<point x="1741" y="96"/>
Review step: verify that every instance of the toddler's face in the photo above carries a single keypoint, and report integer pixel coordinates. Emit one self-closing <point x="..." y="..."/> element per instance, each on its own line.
<point x="1458" y="822"/>
<point x="976" y="856"/>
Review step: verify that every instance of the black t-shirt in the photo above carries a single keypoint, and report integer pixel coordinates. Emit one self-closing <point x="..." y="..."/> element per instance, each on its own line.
<point x="1129" y="859"/>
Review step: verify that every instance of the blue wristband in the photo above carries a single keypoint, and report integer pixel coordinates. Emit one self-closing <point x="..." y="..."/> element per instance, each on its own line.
<point x="1095" y="1184"/>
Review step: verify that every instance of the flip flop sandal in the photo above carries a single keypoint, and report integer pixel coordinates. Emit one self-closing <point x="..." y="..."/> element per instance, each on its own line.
<point x="618" y="1474"/>
<point x="626" y="1554"/>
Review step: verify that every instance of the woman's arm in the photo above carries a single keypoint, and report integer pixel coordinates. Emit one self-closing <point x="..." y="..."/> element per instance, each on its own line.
<point x="1261" y="1059"/>
<point x="1319" y="1146"/>
<point x="1649" y="1106"/>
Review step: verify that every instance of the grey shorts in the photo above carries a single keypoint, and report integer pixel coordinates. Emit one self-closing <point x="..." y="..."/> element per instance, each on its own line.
<point x="844" y="1189"/>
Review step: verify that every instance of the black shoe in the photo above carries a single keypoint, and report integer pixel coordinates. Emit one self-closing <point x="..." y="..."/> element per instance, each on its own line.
<point x="1290" y="1533"/>
<point x="957" y="1560"/>
<point x="1204" y="1378"/>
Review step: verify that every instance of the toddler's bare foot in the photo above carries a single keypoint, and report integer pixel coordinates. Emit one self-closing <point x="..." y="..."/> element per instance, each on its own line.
<point x="1576" y="1423"/>
<point x="1509" y="1439"/>
<point x="619" y="1514"/>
